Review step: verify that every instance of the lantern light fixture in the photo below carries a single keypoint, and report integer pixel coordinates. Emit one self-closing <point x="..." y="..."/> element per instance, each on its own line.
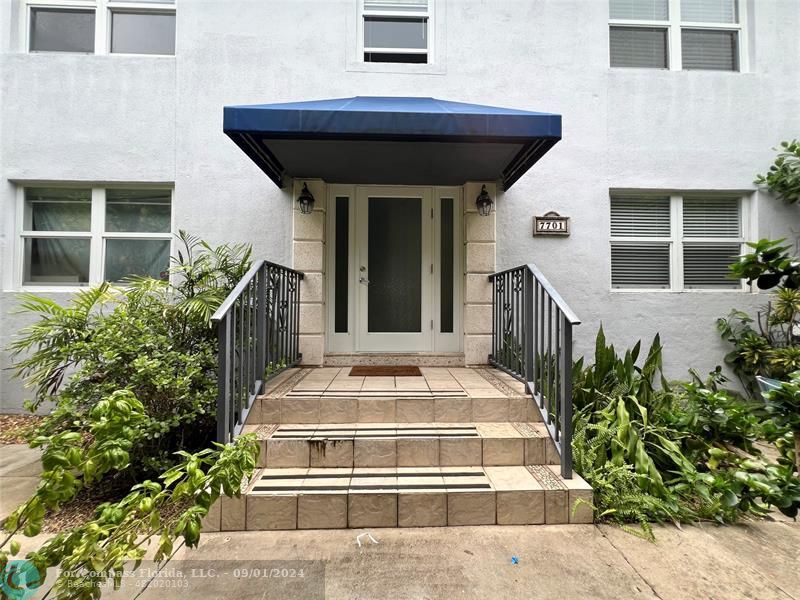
<point x="484" y="202"/>
<point x="306" y="200"/>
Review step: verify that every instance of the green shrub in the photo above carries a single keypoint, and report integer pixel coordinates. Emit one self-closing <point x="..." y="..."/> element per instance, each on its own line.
<point x="783" y="178"/>
<point x="770" y="344"/>
<point x="152" y="340"/>
<point x="689" y="447"/>
<point x="132" y="375"/>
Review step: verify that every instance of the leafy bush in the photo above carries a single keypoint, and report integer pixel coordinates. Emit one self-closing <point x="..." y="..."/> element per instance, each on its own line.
<point x="769" y="265"/>
<point x="132" y="372"/>
<point x="150" y="344"/>
<point x="783" y="405"/>
<point x="678" y="452"/>
<point x="770" y="344"/>
<point x="783" y="178"/>
<point x="123" y="531"/>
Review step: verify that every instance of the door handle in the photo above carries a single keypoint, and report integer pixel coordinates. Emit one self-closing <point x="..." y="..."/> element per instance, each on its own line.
<point x="363" y="280"/>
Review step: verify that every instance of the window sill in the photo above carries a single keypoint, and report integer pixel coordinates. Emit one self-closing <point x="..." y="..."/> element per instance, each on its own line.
<point x="744" y="290"/>
<point x="114" y="54"/>
<point x="402" y="68"/>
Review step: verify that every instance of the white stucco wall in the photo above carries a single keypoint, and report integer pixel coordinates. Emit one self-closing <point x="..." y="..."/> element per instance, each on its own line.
<point x="147" y="119"/>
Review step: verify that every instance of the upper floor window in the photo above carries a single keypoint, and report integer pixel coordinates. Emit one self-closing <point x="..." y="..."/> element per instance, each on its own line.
<point x="675" y="242"/>
<point x="101" y="26"/>
<point x="74" y="236"/>
<point x="396" y="31"/>
<point x="676" y="34"/>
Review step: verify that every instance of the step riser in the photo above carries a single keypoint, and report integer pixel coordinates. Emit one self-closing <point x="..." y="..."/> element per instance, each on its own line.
<point x="338" y="499"/>
<point x="388" y="410"/>
<point x="407" y="452"/>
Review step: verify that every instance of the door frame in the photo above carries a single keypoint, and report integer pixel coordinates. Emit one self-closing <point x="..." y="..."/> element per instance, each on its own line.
<point x="349" y="341"/>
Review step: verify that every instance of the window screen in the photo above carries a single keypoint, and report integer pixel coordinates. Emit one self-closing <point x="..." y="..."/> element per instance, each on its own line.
<point x="639" y="10"/>
<point x="61" y="30"/>
<point x="640" y="217"/>
<point x="644" y="47"/>
<point x="396" y="31"/>
<point x="142" y="32"/>
<point x="709" y="11"/>
<point x="711" y="49"/>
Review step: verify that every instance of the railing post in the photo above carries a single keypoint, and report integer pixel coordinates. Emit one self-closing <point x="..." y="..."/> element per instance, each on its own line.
<point x="527" y="326"/>
<point x="223" y="382"/>
<point x="261" y="324"/>
<point x="566" y="399"/>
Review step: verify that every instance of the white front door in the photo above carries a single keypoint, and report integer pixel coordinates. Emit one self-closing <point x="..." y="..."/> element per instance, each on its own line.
<point x="394" y="269"/>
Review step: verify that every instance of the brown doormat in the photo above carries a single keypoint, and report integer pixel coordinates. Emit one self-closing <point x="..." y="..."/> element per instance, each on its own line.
<point x="392" y="371"/>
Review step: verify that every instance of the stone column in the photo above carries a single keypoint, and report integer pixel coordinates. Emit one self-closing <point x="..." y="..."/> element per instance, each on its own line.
<point x="308" y="256"/>
<point x="480" y="239"/>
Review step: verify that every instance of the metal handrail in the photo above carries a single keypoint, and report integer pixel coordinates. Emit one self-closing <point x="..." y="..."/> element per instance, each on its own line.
<point x="551" y="291"/>
<point x="528" y="315"/>
<point x="258" y="335"/>
<point x="236" y="291"/>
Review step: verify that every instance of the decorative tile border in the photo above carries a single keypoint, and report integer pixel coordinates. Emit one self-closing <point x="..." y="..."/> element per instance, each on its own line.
<point x="265" y="431"/>
<point x="528" y="431"/>
<point x="488" y="375"/>
<point x="546" y="477"/>
<point x="289" y="384"/>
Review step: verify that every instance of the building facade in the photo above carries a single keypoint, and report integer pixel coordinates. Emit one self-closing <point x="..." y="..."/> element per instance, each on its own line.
<point x="111" y="140"/>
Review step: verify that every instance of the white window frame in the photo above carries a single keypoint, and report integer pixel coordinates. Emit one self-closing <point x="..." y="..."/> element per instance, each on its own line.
<point x="674" y="24"/>
<point x="676" y="240"/>
<point x="97" y="234"/>
<point x="428" y="14"/>
<point x="102" y="21"/>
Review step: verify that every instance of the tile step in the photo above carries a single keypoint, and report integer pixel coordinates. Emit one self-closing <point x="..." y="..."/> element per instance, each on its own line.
<point x="404" y="445"/>
<point x="311" y="498"/>
<point x="378" y="407"/>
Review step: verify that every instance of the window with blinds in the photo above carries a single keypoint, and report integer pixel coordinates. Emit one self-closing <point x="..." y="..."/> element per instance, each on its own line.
<point x="639" y="47"/>
<point x="651" y="250"/>
<point x="640" y="242"/>
<point x="712" y="239"/>
<point x="396" y="31"/>
<point x="694" y="35"/>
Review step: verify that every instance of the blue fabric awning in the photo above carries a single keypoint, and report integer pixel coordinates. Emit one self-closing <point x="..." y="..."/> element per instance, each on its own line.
<point x="388" y="140"/>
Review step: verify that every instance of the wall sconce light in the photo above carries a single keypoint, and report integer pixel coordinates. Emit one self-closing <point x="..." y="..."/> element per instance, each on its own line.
<point x="306" y="200"/>
<point x="484" y="202"/>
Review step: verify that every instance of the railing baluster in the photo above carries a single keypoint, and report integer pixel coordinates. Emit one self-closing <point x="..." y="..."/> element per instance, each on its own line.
<point x="566" y="413"/>
<point x="261" y="324"/>
<point x="529" y="325"/>
<point x="296" y="355"/>
<point x="556" y="380"/>
<point x="248" y="345"/>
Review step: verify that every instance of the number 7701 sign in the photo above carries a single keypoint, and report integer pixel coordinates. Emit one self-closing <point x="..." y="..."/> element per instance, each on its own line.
<point x="551" y="223"/>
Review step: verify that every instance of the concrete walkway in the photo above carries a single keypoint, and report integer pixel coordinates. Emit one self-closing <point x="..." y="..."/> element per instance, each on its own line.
<point x="755" y="560"/>
<point x="19" y="475"/>
<point x="759" y="560"/>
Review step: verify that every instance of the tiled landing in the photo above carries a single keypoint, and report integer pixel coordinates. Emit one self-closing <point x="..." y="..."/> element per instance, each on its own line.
<point x="410" y="497"/>
<point x="404" y="444"/>
<point x="440" y="395"/>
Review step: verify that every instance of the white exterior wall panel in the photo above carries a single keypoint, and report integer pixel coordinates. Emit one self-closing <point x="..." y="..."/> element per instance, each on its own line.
<point x="110" y="118"/>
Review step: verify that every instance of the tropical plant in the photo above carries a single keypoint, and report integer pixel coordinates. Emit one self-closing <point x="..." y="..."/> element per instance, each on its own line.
<point x="150" y="343"/>
<point x="122" y="532"/>
<point x="689" y="447"/>
<point x="783" y="177"/>
<point x="783" y="404"/>
<point x="768" y="345"/>
<point x="769" y="265"/>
